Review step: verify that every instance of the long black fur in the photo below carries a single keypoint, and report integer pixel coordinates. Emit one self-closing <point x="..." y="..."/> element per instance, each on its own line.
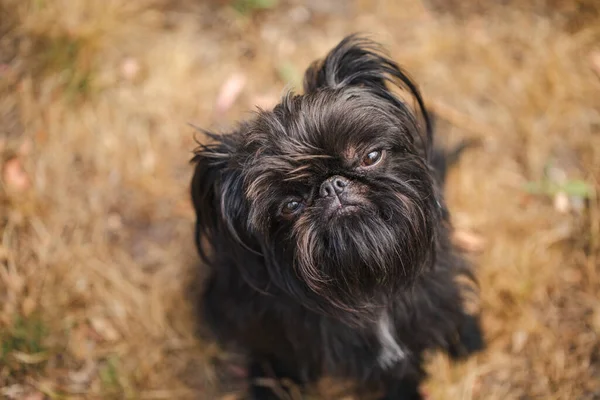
<point x="305" y="295"/>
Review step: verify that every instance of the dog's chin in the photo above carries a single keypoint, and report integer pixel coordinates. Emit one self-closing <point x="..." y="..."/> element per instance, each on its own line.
<point x="355" y="256"/>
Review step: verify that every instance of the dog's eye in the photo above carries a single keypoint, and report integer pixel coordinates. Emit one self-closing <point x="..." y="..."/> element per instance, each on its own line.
<point x="372" y="158"/>
<point x="291" y="207"/>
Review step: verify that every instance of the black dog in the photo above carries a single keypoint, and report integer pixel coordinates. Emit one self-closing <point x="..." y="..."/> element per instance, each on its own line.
<point x="327" y="236"/>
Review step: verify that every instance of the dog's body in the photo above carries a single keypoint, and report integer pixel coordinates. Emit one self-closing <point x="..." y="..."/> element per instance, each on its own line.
<point x="328" y="237"/>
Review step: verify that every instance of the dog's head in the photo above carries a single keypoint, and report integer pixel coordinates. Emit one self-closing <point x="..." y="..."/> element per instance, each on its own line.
<point x="332" y="189"/>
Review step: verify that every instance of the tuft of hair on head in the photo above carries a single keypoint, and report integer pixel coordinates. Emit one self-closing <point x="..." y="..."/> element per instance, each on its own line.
<point x="359" y="61"/>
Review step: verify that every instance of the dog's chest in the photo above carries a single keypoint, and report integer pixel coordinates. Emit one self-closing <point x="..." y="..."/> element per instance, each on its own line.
<point x="391" y="351"/>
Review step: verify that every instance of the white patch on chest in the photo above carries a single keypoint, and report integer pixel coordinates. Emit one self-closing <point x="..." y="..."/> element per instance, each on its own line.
<point x="390" y="352"/>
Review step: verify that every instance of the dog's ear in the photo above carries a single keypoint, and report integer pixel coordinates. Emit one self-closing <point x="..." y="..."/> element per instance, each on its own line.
<point x="212" y="180"/>
<point x="357" y="61"/>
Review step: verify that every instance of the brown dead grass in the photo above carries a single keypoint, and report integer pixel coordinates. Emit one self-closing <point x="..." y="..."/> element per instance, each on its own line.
<point x="95" y="241"/>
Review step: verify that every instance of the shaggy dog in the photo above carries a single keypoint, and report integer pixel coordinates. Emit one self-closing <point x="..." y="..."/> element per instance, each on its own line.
<point x="328" y="239"/>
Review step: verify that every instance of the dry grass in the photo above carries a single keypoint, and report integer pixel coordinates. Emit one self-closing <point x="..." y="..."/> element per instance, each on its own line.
<point x="95" y="230"/>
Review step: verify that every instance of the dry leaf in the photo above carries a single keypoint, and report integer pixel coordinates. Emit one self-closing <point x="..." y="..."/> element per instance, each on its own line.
<point x="104" y="328"/>
<point x="229" y="92"/>
<point x="299" y="15"/>
<point x="561" y="202"/>
<point x="130" y="68"/>
<point x="15" y="176"/>
<point x="469" y="241"/>
<point x="29" y="358"/>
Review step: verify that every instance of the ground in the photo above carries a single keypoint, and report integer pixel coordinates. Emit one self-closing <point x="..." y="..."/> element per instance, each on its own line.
<point x="96" y="248"/>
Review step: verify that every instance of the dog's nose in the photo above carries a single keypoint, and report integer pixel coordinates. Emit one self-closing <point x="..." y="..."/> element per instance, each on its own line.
<point x="333" y="186"/>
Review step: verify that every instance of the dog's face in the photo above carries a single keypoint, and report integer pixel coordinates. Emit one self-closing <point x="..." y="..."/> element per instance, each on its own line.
<point x="332" y="188"/>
